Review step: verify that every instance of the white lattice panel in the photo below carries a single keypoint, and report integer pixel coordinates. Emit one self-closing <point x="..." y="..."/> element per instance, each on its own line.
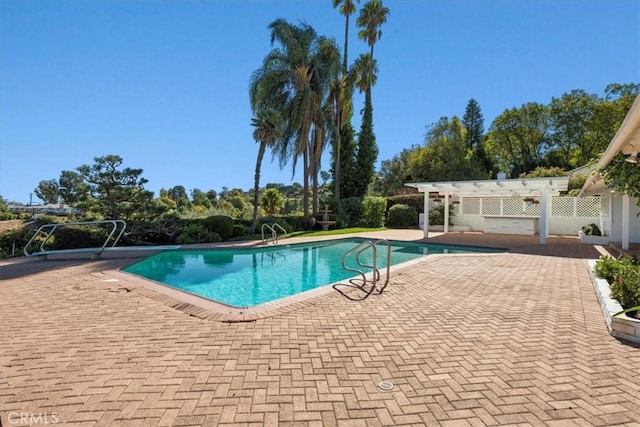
<point x="589" y="207"/>
<point x="563" y="207"/>
<point x="470" y="206"/>
<point x="532" y="208"/>
<point x="490" y="206"/>
<point x="512" y="206"/>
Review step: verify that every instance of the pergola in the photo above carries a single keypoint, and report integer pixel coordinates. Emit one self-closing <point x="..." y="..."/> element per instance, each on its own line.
<point x="529" y="187"/>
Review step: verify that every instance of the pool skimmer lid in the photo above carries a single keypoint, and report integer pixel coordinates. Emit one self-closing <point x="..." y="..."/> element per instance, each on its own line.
<point x="385" y="385"/>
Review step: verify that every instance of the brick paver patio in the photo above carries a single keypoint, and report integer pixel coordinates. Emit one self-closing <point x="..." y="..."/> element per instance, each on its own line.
<point x="515" y="338"/>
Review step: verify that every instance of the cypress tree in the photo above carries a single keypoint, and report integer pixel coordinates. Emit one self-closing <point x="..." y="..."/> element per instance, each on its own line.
<point x="473" y="122"/>
<point x="347" y="166"/>
<point x="367" y="150"/>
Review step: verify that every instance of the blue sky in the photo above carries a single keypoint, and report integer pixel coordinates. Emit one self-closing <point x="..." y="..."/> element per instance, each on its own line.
<point x="165" y="84"/>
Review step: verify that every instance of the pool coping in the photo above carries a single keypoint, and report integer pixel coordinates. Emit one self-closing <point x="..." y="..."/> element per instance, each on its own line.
<point x="204" y="308"/>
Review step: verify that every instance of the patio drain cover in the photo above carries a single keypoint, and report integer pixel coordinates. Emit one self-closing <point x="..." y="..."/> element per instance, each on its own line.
<point x="385" y="385"/>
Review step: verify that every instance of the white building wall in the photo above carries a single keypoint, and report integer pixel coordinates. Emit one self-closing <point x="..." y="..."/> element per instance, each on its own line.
<point x="616" y="220"/>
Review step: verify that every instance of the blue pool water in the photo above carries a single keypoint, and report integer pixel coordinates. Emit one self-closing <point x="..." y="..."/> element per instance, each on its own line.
<point x="243" y="277"/>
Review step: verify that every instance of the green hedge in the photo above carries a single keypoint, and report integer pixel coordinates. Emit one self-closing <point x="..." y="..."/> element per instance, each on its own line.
<point x="197" y="233"/>
<point x="414" y="200"/>
<point x="221" y="224"/>
<point x="402" y="216"/>
<point x="373" y="212"/>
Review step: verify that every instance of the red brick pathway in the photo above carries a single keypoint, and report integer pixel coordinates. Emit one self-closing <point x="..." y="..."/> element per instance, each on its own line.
<point x="514" y="338"/>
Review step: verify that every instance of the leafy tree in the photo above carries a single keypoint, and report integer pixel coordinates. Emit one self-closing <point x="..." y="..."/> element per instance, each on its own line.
<point x="48" y="191"/>
<point x="166" y="200"/>
<point x="570" y="116"/>
<point x="199" y="198"/>
<point x="115" y="192"/>
<point x="519" y="138"/>
<point x="272" y="201"/>
<point x="178" y="194"/>
<point x="73" y="189"/>
<point x="445" y="156"/>
<point x="394" y="174"/>
<point x="212" y="195"/>
<point x="623" y="177"/>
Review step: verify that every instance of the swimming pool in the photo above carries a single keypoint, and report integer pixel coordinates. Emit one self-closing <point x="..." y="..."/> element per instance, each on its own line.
<point x="246" y="277"/>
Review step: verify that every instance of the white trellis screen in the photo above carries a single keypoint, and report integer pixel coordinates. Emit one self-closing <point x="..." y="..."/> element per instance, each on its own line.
<point x="567" y="214"/>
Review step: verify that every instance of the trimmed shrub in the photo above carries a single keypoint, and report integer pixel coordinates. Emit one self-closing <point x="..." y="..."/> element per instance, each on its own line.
<point x="221" y="224"/>
<point x="300" y="222"/>
<point x="591" y="230"/>
<point x="270" y="220"/>
<point x="17" y="238"/>
<point x="239" y="230"/>
<point x="78" y="237"/>
<point x="402" y="216"/>
<point x="373" y="209"/>
<point x="626" y="286"/>
<point x="623" y="276"/>
<point x="436" y="215"/>
<point x="4" y="216"/>
<point x="414" y="200"/>
<point x="197" y="233"/>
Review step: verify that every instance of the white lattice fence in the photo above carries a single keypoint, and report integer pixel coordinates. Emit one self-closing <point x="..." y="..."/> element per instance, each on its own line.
<point x="567" y="215"/>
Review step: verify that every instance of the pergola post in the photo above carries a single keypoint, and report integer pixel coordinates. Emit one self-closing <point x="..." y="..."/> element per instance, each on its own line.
<point x="544" y="215"/>
<point x="625" y="222"/>
<point x="425" y="223"/>
<point x="446" y="213"/>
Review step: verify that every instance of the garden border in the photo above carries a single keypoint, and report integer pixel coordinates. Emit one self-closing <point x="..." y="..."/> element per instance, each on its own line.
<point x="620" y="326"/>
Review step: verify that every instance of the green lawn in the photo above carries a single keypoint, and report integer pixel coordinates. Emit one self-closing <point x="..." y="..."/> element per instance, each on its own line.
<point x="312" y="233"/>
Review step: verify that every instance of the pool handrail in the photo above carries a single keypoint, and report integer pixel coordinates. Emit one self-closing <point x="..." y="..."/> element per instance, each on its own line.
<point x="43" y="252"/>
<point x="358" y="250"/>
<point x="274" y="233"/>
<point x="360" y="247"/>
<point x="376" y="271"/>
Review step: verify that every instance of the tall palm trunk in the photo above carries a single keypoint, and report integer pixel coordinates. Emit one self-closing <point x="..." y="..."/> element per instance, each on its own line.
<point x="256" y="186"/>
<point x="305" y="183"/>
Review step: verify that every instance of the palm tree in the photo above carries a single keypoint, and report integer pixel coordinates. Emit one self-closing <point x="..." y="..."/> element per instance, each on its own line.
<point x="372" y="16"/>
<point x="293" y="80"/>
<point x="347" y="8"/>
<point x="340" y="95"/>
<point x="272" y="201"/>
<point x="268" y="129"/>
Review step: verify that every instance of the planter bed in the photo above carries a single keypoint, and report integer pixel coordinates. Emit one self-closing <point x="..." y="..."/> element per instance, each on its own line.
<point x="593" y="240"/>
<point x="620" y="326"/>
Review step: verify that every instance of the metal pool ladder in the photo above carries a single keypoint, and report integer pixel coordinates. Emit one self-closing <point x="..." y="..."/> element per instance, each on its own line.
<point x="361" y="283"/>
<point x="274" y="233"/>
<point x="117" y="224"/>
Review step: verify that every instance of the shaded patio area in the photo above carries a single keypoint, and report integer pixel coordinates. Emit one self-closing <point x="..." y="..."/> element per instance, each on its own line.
<point x="513" y="338"/>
